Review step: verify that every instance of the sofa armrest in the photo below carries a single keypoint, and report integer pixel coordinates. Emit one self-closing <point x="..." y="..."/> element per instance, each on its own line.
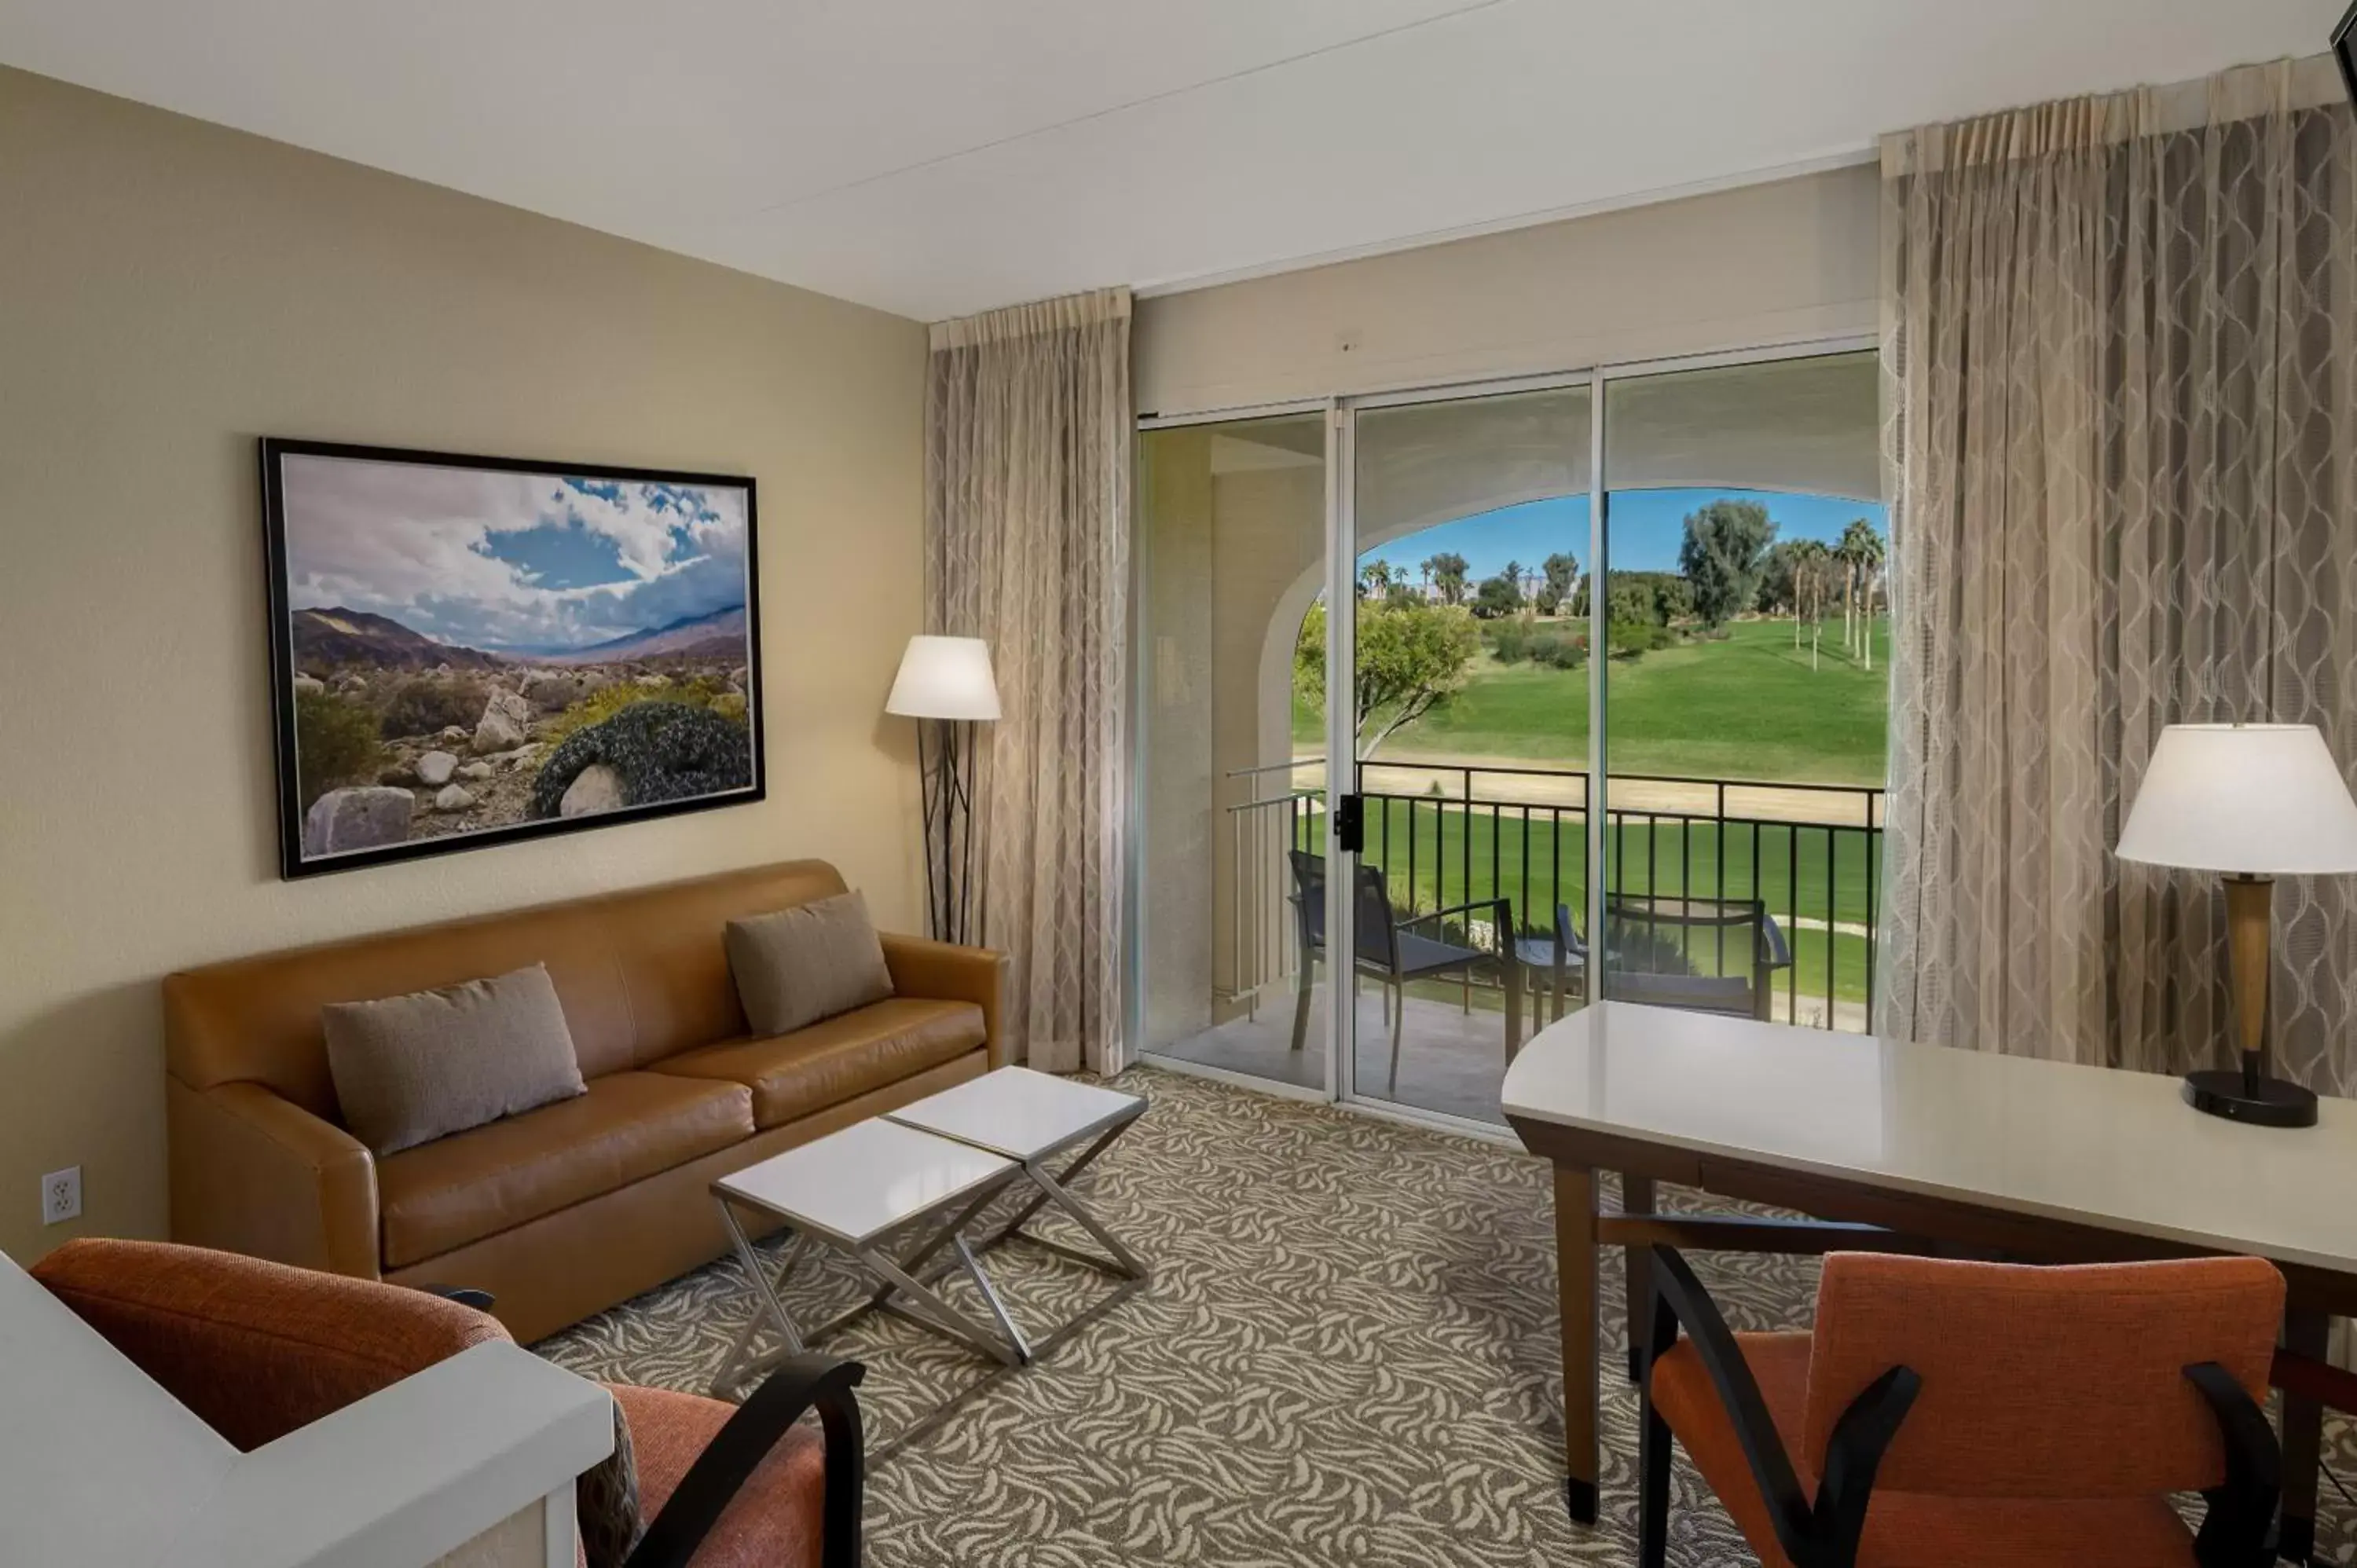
<point x="944" y="972"/>
<point x="254" y="1172"/>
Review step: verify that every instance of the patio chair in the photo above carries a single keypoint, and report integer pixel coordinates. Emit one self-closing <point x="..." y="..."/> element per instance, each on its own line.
<point x="1389" y="949"/>
<point x="1558" y="958"/>
<point x="1662" y="948"/>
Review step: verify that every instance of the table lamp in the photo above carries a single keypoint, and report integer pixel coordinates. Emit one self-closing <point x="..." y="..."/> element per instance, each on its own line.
<point x="946" y="682"/>
<point x="2253" y="802"/>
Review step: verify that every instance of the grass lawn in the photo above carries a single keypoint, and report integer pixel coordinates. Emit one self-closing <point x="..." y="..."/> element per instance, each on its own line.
<point x="1748" y="707"/>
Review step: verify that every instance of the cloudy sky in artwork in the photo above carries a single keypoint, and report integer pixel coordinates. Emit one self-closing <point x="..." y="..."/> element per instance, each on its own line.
<point x="507" y="560"/>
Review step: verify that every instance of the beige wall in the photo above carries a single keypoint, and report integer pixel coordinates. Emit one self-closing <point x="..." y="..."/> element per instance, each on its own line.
<point x="1789" y="261"/>
<point x="169" y="292"/>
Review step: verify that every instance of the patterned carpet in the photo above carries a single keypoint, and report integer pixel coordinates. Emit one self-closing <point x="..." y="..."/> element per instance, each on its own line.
<point x="1347" y="1356"/>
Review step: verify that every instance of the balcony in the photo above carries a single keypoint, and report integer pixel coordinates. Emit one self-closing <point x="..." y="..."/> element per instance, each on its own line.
<point x="1799" y="859"/>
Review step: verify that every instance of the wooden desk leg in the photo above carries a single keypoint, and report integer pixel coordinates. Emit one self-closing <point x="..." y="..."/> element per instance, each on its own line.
<point x="2305" y="1333"/>
<point x="1576" y="1271"/>
<point x="1636" y="1197"/>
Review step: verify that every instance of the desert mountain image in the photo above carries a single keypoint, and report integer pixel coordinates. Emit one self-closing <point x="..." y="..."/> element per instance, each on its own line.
<point x="332" y="640"/>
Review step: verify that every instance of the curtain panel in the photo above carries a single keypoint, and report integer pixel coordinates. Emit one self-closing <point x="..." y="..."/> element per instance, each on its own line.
<point x="2120" y="365"/>
<point x="1028" y="433"/>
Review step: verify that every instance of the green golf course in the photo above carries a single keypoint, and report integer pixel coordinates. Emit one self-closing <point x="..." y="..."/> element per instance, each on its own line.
<point x="1747" y="707"/>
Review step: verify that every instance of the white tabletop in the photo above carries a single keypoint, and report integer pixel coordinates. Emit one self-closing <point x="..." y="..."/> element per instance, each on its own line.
<point x="1019" y="1112"/>
<point x="2117" y="1150"/>
<point x="858" y="1183"/>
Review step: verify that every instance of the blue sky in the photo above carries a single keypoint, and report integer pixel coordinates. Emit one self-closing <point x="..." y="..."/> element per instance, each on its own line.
<point x="1647" y="527"/>
<point x="507" y="560"/>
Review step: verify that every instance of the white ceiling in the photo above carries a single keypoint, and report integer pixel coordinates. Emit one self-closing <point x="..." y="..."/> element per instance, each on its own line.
<point x="939" y="157"/>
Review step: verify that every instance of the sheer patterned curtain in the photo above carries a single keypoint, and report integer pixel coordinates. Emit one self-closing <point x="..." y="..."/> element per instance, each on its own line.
<point x="2121" y="375"/>
<point x="1027" y="512"/>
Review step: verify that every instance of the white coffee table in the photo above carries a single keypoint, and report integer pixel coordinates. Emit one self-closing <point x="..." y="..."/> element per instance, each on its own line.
<point x="1031" y="1118"/>
<point x="944" y="1158"/>
<point x="849" y="1190"/>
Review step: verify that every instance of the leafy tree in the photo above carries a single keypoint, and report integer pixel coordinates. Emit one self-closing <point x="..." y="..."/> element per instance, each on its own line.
<point x="1375" y="580"/>
<point x="1628" y="602"/>
<point x="1723" y="557"/>
<point x="1498" y="596"/>
<point x="1448" y="569"/>
<point x="1777" y="585"/>
<point x="1562" y="571"/>
<point x="1412" y="660"/>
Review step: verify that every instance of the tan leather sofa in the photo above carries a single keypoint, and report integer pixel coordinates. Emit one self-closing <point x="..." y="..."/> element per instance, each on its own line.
<point x="566" y="1210"/>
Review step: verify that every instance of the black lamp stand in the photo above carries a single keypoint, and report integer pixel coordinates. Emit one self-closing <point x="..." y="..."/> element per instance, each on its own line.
<point x="947" y="769"/>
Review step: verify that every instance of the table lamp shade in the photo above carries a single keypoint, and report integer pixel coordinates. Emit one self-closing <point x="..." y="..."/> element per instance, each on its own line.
<point x="944" y="678"/>
<point x="2245" y="799"/>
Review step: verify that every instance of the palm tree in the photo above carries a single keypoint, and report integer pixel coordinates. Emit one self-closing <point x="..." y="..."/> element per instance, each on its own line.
<point x="1867" y="549"/>
<point x="1813" y="570"/>
<point x="1859" y="552"/>
<point x="1449" y="569"/>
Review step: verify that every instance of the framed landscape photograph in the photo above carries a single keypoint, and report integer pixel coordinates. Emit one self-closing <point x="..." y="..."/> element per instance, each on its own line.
<point x="466" y="650"/>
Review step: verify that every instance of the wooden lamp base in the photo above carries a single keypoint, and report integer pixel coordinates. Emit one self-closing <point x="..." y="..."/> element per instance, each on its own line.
<point x="2248" y="1093"/>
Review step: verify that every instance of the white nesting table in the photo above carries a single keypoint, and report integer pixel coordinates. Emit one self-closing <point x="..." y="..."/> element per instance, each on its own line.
<point x="1032" y="1118"/>
<point x="942" y="1159"/>
<point x="849" y="1190"/>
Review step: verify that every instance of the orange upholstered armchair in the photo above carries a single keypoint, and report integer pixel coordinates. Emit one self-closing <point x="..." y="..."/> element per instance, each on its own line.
<point x="1960" y="1414"/>
<point x="259" y="1349"/>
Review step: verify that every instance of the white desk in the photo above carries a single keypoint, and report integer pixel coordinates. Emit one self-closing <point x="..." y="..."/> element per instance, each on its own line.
<point x="2033" y="1158"/>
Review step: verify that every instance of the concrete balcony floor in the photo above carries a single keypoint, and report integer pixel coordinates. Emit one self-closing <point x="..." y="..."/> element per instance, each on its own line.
<point x="1450" y="1060"/>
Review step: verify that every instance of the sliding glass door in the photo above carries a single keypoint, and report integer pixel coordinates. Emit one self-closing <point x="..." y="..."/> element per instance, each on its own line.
<point x="1746" y="687"/>
<point x="1470" y="522"/>
<point x="1410" y="666"/>
<point x="1232" y="525"/>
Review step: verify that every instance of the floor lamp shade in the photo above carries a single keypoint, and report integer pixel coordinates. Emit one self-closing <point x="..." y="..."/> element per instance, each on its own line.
<point x="946" y="685"/>
<point x="2252" y="802"/>
<point x="944" y="678"/>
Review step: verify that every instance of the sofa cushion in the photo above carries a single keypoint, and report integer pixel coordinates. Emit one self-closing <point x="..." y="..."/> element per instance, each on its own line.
<point x="627" y="1125"/>
<point x="813" y="961"/>
<point x="412" y="1068"/>
<point x="830" y="1062"/>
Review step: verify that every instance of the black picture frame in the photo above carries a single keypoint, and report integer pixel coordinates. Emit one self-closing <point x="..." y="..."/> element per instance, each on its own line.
<point x="2344" y="49"/>
<point x="295" y="863"/>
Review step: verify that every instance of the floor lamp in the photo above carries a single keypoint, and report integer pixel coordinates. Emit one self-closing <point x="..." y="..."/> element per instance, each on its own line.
<point x="945" y="684"/>
<point x="2253" y="802"/>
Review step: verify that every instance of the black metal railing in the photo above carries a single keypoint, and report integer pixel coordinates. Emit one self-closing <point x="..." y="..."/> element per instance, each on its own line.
<point x="1448" y="834"/>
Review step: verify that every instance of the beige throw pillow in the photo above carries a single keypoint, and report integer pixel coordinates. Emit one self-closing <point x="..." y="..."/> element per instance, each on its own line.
<point x="799" y="965"/>
<point x="409" y="1070"/>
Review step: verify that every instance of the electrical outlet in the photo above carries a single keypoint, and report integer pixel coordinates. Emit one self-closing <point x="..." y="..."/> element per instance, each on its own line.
<point x="61" y="1196"/>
